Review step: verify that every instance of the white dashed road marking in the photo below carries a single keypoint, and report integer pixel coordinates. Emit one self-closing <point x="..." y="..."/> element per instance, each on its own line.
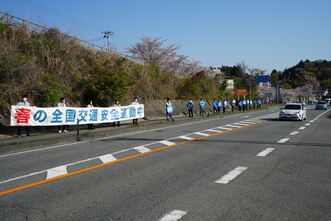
<point x="284" y="140"/>
<point x="211" y="130"/>
<point x="141" y="149"/>
<point x="173" y="215"/>
<point x="107" y="158"/>
<point x="307" y="124"/>
<point x="57" y="171"/>
<point x="231" y="175"/>
<point x="201" y="134"/>
<point x="225" y="128"/>
<point x="186" y="138"/>
<point x="241" y="124"/>
<point x="165" y="142"/>
<point x="231" y="125"/>
<point x="312" y="121"/>
<point x="301" y="128"/>
<point x="265" y="152"/>
<point x="294" y="133"/>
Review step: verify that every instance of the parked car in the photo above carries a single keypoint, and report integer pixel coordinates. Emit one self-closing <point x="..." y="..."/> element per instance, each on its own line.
<point x="310" y="102"/>
<point x="293" y="111"/>
<point x="321" y="105"/>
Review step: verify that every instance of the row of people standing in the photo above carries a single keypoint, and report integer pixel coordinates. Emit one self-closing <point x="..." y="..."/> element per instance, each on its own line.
<point x="219" y="106"/>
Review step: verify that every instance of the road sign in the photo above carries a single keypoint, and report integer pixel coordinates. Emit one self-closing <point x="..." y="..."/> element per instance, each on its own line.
<point x="262" y="78"/>
<point x="242" y="92"/>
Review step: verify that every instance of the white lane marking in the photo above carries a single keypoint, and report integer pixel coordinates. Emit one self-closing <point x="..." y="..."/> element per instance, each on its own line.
<point x="186" y="138"/>
<point x="201" y="134"/>
<point x="301" y="128"/>
<point x="265" y="152"/>
<point x="284" y="140"/>
<point x="56" y="171"/>
<point x="307" y="124"/>
<point x="231" y="175"/>
<point x="294" y="133"/>
<point x="173" y="215"/>
<point x="107" y="158"/>
<point x="245" y="116"/>
<point x="224" y="128"/>
<point x="165" y="142"/>
<point x="141" y="149"/>
<point x="241" y="124"/>
<point x="249" y="122"/>
<point x="21" y="177"/>
<point x="312" y="121"/>
<point x="211" y="130"/>
<point x="230" y="125"/>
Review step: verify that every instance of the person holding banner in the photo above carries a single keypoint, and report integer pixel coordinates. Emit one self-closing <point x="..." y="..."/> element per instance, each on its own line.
<point x="23" y="103"/>
<point x="135" y="102"/>
<point x="169" y="110"/>
<point x="62" y="104"/>
<point x="190" y="106"/>
<point x="117" y="104"/>
<point x="90" y="126"/>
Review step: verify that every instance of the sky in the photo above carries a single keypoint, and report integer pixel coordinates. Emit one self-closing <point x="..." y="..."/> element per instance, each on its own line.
<point x="266" y="34"/>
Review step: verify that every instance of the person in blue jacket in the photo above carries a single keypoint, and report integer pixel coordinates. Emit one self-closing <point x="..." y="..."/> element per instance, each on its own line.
<point x="190" y="106"/>
<point x="244" y="105"/>
<point x="202" y="104"/>
<point x="220" y="105"/>
<point x="240" y="105"/>
<point x="215" y="106"/>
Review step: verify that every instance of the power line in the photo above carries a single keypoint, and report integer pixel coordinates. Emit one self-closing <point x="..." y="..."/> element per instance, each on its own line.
<point x="6" y="15"/>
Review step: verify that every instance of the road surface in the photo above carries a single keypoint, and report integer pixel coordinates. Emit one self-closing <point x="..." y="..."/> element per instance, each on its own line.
<point x="247" y="167"/>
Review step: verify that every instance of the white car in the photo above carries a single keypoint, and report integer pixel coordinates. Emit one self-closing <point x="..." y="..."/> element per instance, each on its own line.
<point x="295" y="111"/>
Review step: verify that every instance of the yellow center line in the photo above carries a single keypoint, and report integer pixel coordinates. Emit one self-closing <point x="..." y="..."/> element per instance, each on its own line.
<point x="119" y="160"/>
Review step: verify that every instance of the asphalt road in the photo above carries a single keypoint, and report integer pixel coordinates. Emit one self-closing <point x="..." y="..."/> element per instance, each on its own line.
<point x="248" y="167"/>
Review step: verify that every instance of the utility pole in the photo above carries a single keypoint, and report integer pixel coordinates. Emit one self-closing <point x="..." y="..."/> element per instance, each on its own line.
<point x="107" y="35"/>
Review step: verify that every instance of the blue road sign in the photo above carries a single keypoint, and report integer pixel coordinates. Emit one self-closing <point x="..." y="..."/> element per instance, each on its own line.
<point x="262" y="78"/>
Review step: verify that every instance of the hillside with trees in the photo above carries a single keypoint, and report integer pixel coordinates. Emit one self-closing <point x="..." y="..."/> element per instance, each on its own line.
<point x="314" y="72"/>
<point x="46" y="64"/>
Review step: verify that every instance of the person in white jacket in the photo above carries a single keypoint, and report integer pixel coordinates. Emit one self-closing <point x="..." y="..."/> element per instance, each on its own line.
<point x="62" y="103"/>
<point x="135" y="102"/>
<point x="23" y="103"/>
<point x="90" y="126"/>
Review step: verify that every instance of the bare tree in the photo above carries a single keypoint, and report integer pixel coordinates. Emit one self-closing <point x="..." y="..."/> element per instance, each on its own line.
<point x="243" y="67"/>
<point x="152" y="51"/>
